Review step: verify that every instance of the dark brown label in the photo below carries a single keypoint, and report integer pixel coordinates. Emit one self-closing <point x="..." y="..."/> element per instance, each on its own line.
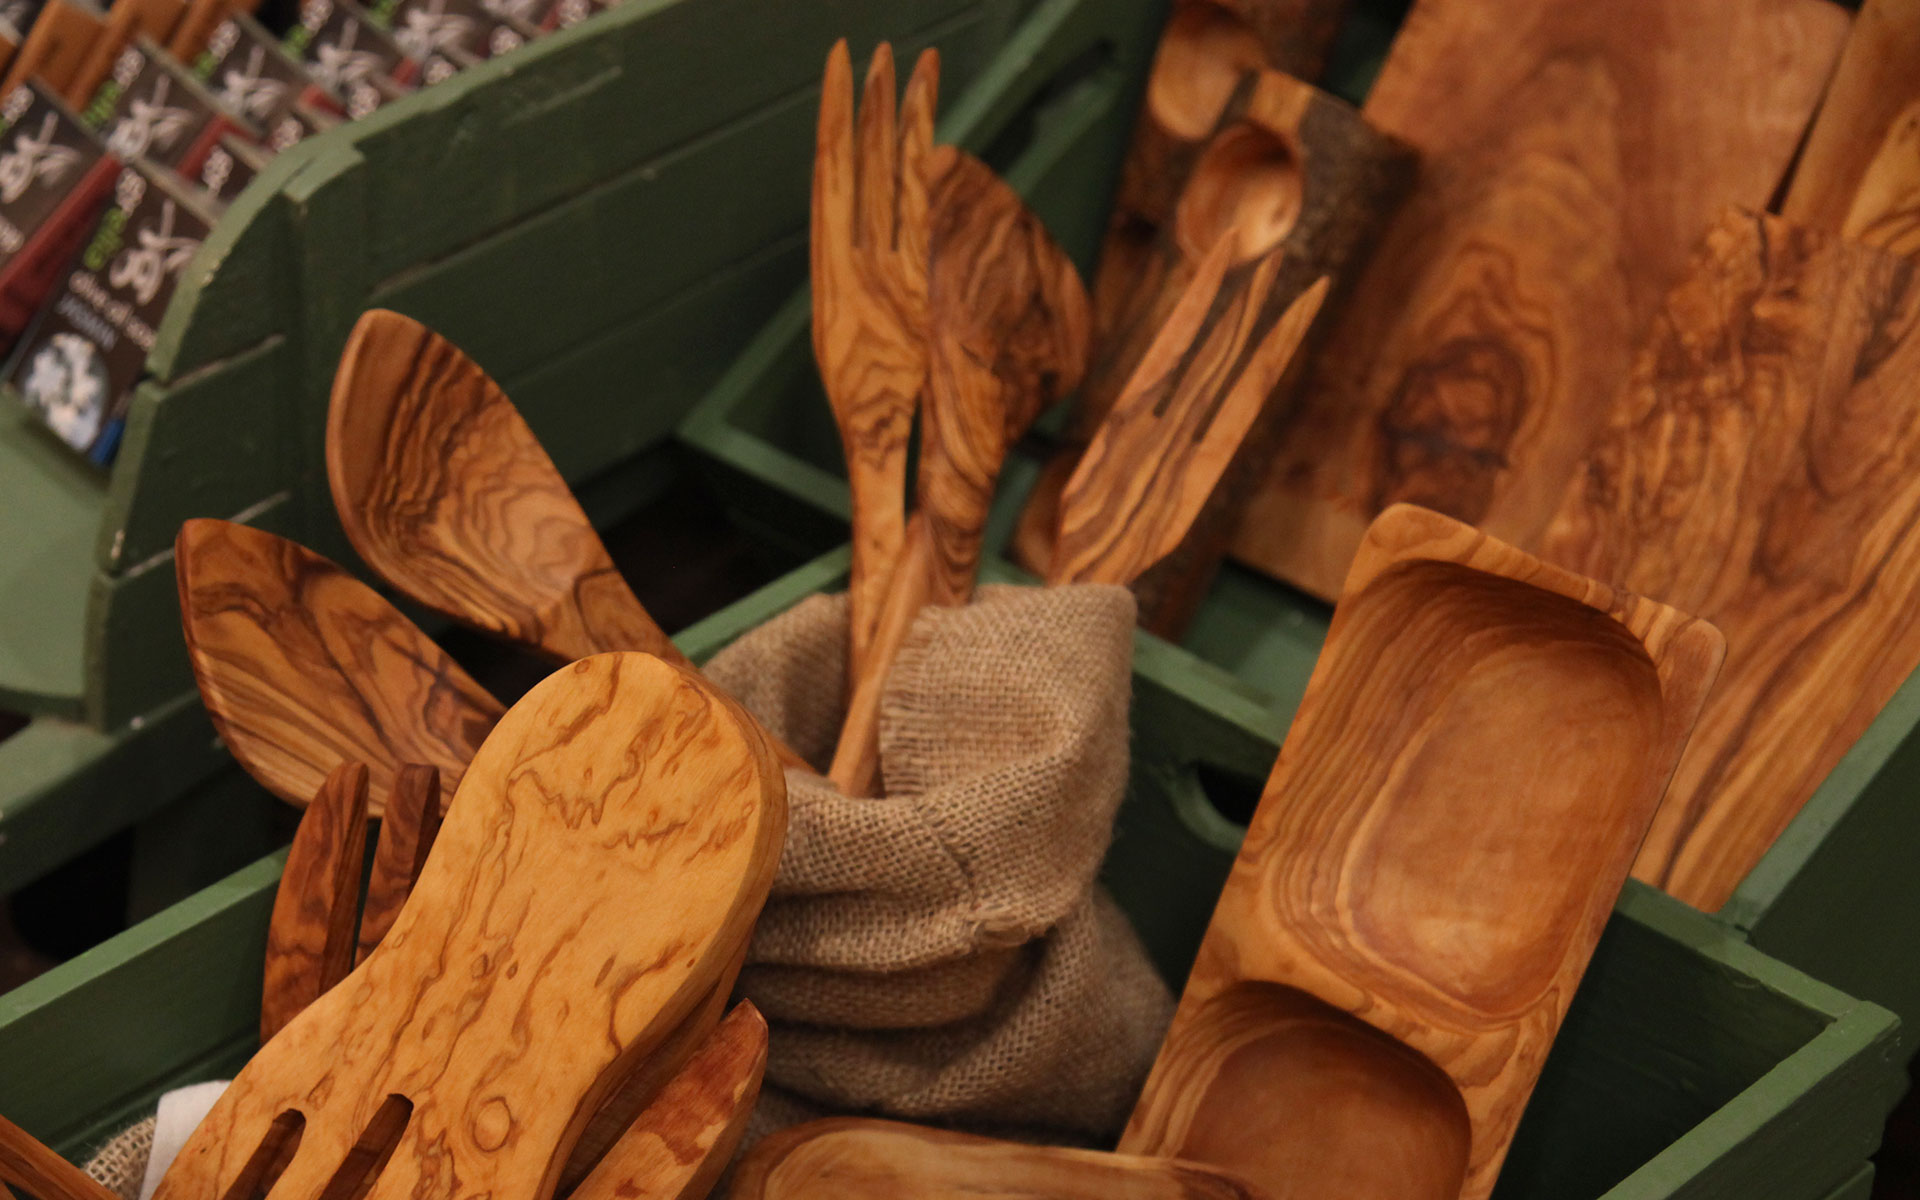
<point x="473" y="29"/>
<point x="350" y="56"/>
<point x="79" y="366"/>
<point x="230" y="166"/>
<point x="150" y="107"/>
<point x="251" y="76"/>
<point x="45" y="152"/>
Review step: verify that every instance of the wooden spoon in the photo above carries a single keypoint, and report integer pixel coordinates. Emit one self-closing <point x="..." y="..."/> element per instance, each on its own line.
<point x="446" y="493"/>
<point x="1478" y="754"/>
<point x="856" y="1159"/>
<point x="303" y="667"/>
<point x="26" y="1163"/>
<point x="515" y="990"/>
<point x="1009" y="335"/>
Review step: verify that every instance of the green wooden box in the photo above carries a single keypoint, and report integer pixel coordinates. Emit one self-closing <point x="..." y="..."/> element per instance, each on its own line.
<point x="1691" y="1065"/>
<point x="602" y="218"/>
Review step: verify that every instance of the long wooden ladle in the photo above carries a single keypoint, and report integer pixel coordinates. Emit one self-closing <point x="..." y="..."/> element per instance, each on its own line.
<point x="515" y="991"/>
<point x="446" y="493"/>
<point x="852" y="1158"/>
<point x="1479" y="752"/>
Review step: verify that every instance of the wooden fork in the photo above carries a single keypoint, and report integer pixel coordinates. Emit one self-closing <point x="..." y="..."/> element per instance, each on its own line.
<point x="869" y="265"/>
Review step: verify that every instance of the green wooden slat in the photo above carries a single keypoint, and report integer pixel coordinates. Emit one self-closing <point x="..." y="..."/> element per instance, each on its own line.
<point x="212" y="443"/>
<point x="1859" y="1186"/>
<point x="50" y="504"/>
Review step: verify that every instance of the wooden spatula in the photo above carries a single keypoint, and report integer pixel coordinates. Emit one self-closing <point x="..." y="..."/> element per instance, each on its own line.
<point x="1859" y="173"/>
<point x="1477" y="756"/>
<point x="515" y="992"/>
<point x="1570" y="154"/>
<point x="303" y="667"/>
<point x="855" y="1159"/>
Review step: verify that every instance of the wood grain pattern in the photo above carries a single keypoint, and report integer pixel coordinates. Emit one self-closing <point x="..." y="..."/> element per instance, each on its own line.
<point x="1171" y="435"/>
<point x="303" y="667"/>
<point x="869" y="270"/>
<point x="1477" y="756"/>
<point x="1763" y="470"/>
<point x="1886" y="209"/>
<point x="850" y="1158"/>
<point x="316" y="909"/>
<point x="856" y="758"/>
<point x="56" y="46"/>
<point x="30" y="1166"/>
<point x="678" y="1147"/>
<point x="1570" y="156"/>
<point x="446" y="493"/>
<point x="514" y="992"/>
<point x="1009" y="333"/>
<point x="1875" y="93"/>
<point x="407" y="831"/>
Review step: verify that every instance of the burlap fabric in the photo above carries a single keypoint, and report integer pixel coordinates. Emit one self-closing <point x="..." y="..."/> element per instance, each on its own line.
<point x="120" y="1166"/>
<point x="942" y="953"/>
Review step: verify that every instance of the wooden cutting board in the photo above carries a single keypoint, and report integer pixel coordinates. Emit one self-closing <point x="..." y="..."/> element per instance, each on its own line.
<point x="1860" y="171"/>
<point x="1571" y="153"/>
<point x="1763" y="472"/>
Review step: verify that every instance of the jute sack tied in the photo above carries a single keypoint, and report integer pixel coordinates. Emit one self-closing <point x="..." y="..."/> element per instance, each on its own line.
<point x="942" y="952"/>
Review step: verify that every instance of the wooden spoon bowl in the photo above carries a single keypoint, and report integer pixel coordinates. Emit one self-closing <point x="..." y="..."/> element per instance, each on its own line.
<point x="1205" y="51"/>
<point x="1248" y="186"/>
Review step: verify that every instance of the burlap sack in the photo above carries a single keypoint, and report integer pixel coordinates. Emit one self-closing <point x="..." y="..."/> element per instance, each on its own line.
<point x="120" y="1166"/>
<point x="941" y="952"/>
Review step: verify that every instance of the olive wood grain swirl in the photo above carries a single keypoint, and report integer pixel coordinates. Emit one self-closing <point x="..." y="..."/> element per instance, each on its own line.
<point x="1570" y="154"/>
<point x="869" y="272"/>
<point x="303" y="667"/>
<point x="1453" y="812"/>
<point x="1198" y="389"/>
<point x="1763" y="470"/>
<point x="851" y="1158"/>
<point x="316" y="909"/>
<point x="678" y="1147"/>
<point x="446" y="493"/>
<point x="1009" y="334"/>
<point x="1845" y="179"/>
<point x="515" y="991"/>
<point x="407" y="832"/>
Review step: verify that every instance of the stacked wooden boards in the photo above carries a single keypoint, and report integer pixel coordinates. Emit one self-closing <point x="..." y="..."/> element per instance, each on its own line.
<point x="1570" y="156"/>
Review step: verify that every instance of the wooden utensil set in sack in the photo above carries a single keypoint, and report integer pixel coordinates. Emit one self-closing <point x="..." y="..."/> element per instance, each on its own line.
<point x="529" y="998"/>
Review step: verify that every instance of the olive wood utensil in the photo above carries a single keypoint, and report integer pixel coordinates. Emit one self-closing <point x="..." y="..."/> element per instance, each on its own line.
<point x="1008" y="330"/>
<point x="26" y="1163"/>
<point x="514" y="991"/>
<point x="1762" y="469"/>
<point x="1478" y="754"/>
<point x="1570" y="155"/>
<point x="678" y="1147"/>
<point x="303" y="667"/>
<point x="448" y="495"/>
<point x="1859" y="173"/>
<point x="851" y="1158"/>
<point x="869" y="272"/>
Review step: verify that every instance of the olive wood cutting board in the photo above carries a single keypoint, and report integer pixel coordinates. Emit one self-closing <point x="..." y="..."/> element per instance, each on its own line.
<point x="1570" y="154"/>
<point x="1453" y="812"/>
<point x="1763" y="471"/>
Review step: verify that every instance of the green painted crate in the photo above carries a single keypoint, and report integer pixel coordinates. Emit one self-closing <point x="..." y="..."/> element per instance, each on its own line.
<point x="1691" y="1065"/>
<point x="602" y="218"/>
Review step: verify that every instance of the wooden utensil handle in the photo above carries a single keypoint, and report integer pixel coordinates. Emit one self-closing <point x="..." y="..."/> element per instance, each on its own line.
<point x="856" y="760"/>
<point x="30" y="1166"/>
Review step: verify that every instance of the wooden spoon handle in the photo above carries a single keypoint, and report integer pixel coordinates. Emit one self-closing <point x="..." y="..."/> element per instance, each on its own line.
<point x="33" y="1168"/>
<point x="856" y="760"/>
<point x="310" y="941"/>
<point x="407" y="831"/>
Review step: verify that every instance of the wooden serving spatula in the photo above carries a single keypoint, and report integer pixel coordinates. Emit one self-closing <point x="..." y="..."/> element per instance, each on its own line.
<point x="1478" y="754"/>
<point x="852" y="1158"/>
<point x="515" y="991"/>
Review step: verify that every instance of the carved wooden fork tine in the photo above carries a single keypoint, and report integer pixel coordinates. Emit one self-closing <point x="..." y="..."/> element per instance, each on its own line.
<point x="1179" y="421"/>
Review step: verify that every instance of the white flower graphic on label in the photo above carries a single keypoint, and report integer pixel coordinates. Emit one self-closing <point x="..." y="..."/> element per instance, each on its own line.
<point x="34" y="158"/>
<point x="339" y="66"/>
<point x="242" y="87"/>
<point x="423" y="31"/>
<point x="145" y="266"/>
<point x="148" y="123"/>
<point x="67" y="383"/>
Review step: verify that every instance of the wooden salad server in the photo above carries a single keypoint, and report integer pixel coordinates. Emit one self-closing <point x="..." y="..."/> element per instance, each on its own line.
<point x="1452" y="815"/>
<point x="869" y="269"/>
<point x="1859" y="174"/>
<point x="1008" y="335"/>
<point x="447" y="494"/>
<point x="1762" y="469"/>
<point x="851" y="1158"/>
<point x="1298" y="171"/>
<point x="303" y="667"/>
<point x="311" y="940"/>
<point x="515" y="991"/>
<point x="27" y="1163"/>
<point x="1570" y="155"/>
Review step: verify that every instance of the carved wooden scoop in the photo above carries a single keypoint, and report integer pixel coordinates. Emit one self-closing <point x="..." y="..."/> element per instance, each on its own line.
<point x="858" y="1159"/>
<point x="1479" y="752"/>
<point x="303" y="667"/>
<point x="515" y="992"/>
